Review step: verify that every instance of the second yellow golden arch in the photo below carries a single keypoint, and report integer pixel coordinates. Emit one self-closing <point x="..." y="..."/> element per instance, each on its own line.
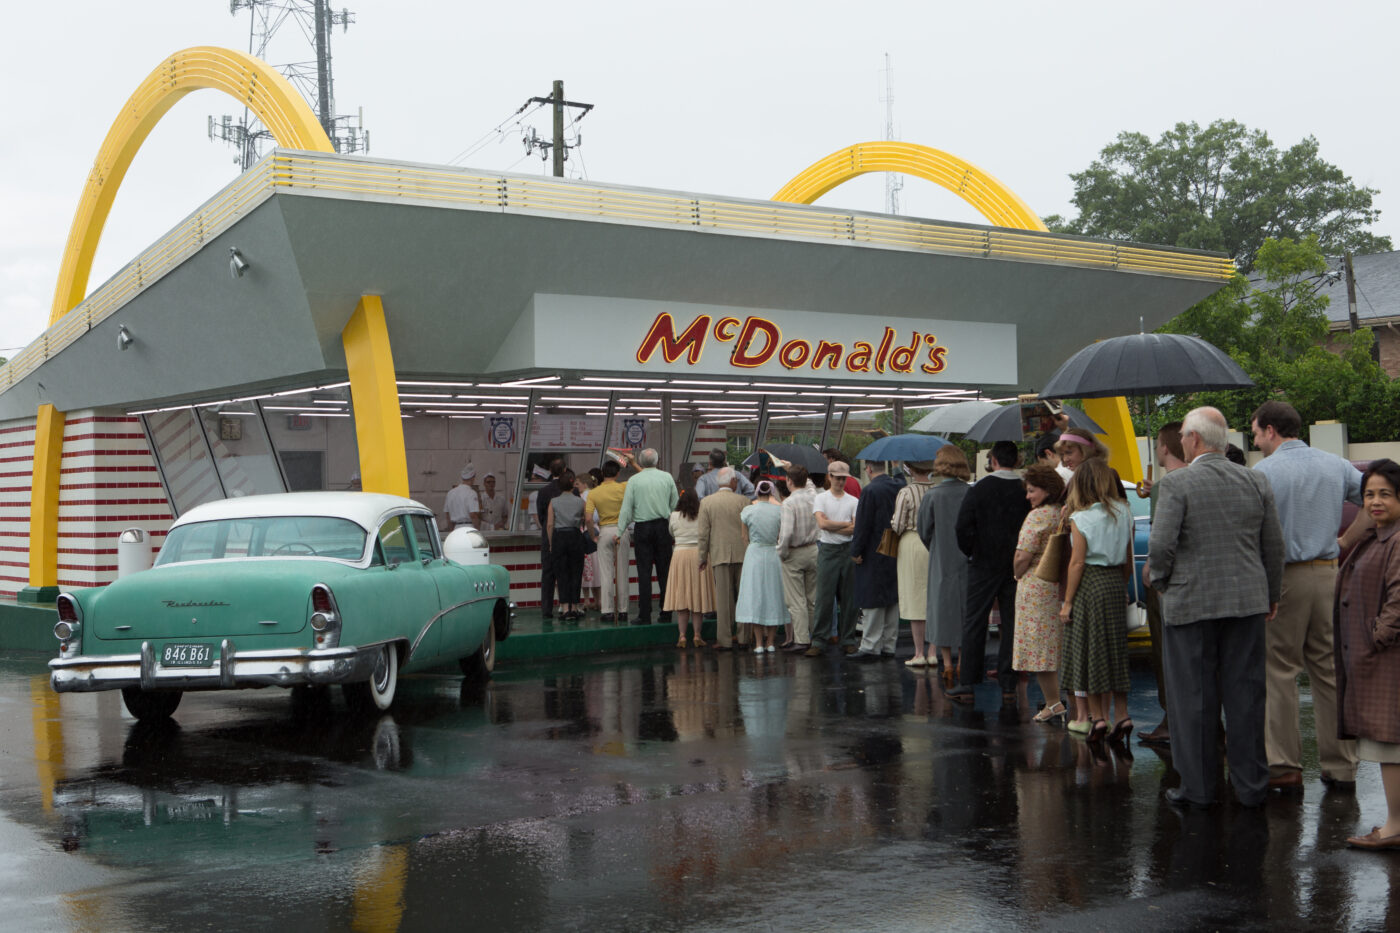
<point x="994" y="201"/>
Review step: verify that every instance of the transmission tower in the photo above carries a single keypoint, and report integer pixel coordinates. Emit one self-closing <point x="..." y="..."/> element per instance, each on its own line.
<point x="315" y="21"/>
<point x="894" y="182"/>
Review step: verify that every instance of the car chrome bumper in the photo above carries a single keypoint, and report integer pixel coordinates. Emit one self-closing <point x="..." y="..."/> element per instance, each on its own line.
<point x="286" y="667"/>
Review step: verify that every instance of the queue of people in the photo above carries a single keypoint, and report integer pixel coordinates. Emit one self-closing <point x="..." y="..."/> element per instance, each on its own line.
<point x="801" y="564"/>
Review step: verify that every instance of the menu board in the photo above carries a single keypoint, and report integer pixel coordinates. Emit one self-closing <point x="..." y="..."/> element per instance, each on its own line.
<point x="566" y="432"/>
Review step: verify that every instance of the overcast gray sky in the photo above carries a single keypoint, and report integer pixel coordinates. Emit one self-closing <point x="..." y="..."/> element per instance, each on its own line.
<point x="726" y="98"/>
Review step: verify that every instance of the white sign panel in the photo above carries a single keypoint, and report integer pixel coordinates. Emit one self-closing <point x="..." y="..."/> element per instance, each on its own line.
<point x="713" y="340"/>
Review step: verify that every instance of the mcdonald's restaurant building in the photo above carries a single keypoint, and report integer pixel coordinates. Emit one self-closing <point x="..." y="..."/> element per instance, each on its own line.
<point x="326" y="320"/>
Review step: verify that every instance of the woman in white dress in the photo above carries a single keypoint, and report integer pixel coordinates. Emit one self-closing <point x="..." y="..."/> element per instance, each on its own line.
<point x="761" y="602"/>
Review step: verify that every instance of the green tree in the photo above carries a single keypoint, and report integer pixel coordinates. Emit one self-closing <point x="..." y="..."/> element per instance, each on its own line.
<point x="1275" y="327"/>
<point x="1224" y="187"/>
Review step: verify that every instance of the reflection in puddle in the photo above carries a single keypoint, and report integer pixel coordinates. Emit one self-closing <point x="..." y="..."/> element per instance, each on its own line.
<point x="680" y="789"/>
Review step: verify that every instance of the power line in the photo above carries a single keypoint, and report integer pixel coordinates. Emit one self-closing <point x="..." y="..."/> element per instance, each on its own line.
<point x="498" y="131"/>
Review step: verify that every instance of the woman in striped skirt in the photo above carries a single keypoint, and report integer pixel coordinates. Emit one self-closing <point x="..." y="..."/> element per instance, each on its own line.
<point x="1095" y="605"/>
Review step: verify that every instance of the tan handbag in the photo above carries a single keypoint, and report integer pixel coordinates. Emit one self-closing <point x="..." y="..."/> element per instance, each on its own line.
<point x="1054" y="563"/>
<point x="889" y="544"/>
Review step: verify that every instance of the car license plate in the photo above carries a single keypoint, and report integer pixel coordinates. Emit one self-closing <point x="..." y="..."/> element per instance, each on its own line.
<point x="187" y="656"/>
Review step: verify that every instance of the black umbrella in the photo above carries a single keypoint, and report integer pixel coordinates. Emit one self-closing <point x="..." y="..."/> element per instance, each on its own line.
<point x="1004" y="424"/>
<point x="1145" y="364"/>
<point x="797" y="454"/>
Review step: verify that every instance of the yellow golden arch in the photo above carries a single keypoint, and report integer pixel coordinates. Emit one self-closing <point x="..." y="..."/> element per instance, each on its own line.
<point x="293" y="125"/>
<point x="994" y="201"/>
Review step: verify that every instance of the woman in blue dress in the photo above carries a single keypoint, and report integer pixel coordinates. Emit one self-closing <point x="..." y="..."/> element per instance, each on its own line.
<point x="761" y="602"/>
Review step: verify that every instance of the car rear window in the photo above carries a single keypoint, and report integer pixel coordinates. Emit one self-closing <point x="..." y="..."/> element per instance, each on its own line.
<point x="281" y="536"/>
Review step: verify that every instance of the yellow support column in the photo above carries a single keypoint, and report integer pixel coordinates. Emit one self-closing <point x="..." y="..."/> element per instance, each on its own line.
<point x="375" y="396"/>
<point x="43" y="507"/>
<point x="1112" y="415"/>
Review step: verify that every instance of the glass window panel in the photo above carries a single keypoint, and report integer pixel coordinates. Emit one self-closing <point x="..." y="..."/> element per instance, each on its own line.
<point x="393" y="539"/>
<point x="425" y="535"/>
<point x="313" y="433"/>
<point x="242" y="451"/>
<point x="275" y="536"/>
<point x="186" y="467"/>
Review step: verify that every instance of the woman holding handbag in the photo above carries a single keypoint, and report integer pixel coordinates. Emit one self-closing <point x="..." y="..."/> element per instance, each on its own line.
<point x="1036" y="566"/>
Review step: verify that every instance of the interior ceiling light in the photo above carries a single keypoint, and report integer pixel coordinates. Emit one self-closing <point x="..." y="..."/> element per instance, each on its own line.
<point x="707" y="382"/>
<point x="618" y="379"/>
<point x="444" y="385"/>
<point x="529" y="382"/>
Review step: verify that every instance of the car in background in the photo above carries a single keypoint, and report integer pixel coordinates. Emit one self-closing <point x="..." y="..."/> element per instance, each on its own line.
<point x="287" y="590"/>
<point x="1142" y="534"/>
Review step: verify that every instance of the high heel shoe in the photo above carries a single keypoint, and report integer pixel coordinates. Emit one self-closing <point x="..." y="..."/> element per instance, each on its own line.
<point x="1051" y="713"/>
<point x="1099" y="730"/>
<point x="1080" y="727"/>
<point x="1122" y="731"/>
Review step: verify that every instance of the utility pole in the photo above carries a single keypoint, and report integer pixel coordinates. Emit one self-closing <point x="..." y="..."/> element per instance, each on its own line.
<point x="1352" y="318"/>
<point x="558" y="152"/>
<point x="559" y="148"/>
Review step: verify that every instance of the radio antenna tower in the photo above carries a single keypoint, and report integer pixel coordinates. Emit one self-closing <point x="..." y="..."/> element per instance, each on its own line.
<point x="894" y="182"/>
<point x="315" y="21"/>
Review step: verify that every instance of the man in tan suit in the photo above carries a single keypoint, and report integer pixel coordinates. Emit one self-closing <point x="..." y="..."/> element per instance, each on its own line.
<point x="722" y="546"/>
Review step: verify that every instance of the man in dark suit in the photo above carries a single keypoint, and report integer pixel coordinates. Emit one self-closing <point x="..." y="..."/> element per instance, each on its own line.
<point x="989" y="522"/>
<point x="1217" y="559"/>
<point x="876" y="583"/>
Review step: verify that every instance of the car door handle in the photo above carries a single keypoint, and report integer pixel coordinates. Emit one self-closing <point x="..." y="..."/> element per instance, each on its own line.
<point x="426" y="561"/>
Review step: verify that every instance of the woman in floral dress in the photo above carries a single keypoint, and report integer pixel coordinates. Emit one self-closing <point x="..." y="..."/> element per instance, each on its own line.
<point x="1039" y="631"/>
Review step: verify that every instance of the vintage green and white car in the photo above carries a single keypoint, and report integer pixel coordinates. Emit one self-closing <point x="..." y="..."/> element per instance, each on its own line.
<point x="287" y="590"/>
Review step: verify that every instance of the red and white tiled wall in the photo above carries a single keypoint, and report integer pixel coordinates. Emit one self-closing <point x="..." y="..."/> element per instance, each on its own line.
<point x="108" y="483"/>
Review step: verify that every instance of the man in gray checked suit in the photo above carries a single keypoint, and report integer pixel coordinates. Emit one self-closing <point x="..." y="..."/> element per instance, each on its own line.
<point x="1217" y="559"/>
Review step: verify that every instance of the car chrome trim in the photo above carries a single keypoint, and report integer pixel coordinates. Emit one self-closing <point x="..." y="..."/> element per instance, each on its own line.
<point x="273" y="667"/>
<point x="228" y="662"/>
<point x="413" y="648"/>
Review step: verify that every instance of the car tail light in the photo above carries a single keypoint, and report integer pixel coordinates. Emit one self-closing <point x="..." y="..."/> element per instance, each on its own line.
<point x="68" y="630"/>
<point x="67" y="609"/>
<point x="325" y="617"/>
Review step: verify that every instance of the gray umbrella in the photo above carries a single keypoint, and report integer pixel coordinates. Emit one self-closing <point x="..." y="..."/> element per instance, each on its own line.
<point x="1004" y="424"/>
<point x="955" y="418"/>
<point x="796" y="454"/>
<point x="1145" y="364"/>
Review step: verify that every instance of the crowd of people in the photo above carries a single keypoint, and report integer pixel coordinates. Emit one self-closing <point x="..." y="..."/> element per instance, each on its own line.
<point x="1242" y="584"/>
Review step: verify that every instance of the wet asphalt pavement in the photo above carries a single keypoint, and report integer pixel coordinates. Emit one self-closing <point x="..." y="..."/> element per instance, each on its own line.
<point x="663" y="791"/>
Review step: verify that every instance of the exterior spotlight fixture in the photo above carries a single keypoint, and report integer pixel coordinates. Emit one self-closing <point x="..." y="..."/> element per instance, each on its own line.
<point x="124" y="338"/>
<point x="237" y="265"/>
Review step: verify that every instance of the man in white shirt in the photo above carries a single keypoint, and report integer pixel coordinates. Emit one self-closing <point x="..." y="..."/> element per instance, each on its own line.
<point x="495" y="506"/>
<point x="463" y="506"/>
<point x="835" y="511"/>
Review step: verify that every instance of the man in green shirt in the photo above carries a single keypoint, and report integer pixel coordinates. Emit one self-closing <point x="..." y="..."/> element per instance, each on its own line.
<point x="649" y="500"/>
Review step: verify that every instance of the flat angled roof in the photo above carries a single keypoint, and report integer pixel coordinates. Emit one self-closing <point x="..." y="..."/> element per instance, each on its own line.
<point x="470" y="265"/>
